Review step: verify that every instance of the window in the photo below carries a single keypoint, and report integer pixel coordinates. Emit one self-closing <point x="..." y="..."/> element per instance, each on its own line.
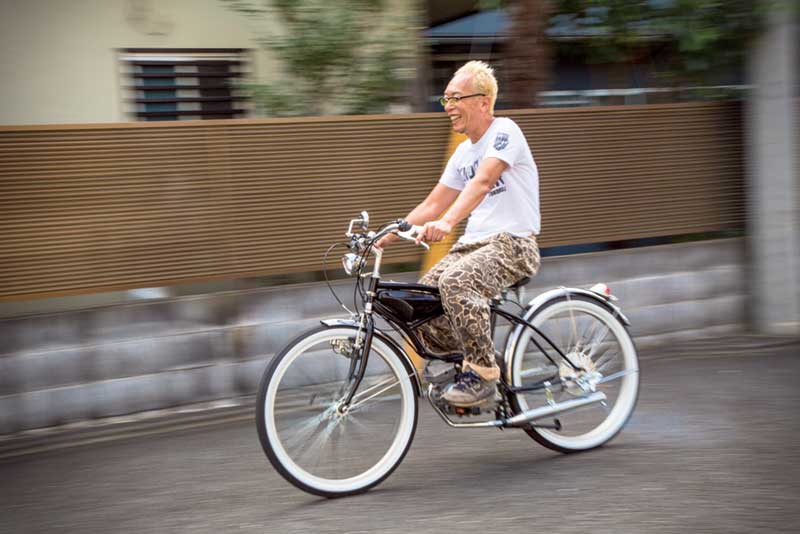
<point x="184" y="84"/>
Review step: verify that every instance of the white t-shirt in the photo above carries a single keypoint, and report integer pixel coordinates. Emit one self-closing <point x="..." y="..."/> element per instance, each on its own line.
<point x="513" y="204"/>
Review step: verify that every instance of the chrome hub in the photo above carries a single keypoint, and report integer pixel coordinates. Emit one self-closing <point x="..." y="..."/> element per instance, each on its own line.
<point x="579" y="383"/>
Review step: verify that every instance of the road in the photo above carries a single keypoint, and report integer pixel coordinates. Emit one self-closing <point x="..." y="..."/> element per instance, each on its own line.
<point x="712" y="447"/>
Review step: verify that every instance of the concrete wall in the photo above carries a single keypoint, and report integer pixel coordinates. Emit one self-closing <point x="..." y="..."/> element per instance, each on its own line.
<point x="773" y="159"/>
<point x="112" y="360"/>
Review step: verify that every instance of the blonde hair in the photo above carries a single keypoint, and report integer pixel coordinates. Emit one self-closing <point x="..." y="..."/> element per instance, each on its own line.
<point x="483" y="80"/>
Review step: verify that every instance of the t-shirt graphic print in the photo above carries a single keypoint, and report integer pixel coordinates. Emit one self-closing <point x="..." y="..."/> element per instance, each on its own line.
<point x="513" y="203"/>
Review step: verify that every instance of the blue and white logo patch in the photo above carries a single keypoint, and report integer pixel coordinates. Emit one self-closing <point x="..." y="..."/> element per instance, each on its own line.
<point x="501" y="141"/>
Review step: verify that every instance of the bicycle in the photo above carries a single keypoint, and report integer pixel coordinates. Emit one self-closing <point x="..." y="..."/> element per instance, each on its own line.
<point x="337" y="408"/>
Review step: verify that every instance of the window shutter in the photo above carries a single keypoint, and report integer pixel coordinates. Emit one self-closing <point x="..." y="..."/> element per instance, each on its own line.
<point x="184" y="84"/>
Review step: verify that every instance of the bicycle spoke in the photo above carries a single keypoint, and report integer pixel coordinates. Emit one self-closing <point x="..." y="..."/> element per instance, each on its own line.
<point x="574" y="326"/>
<point x="586" y="333"/>
<point x="605" y="360"/>
<point x="333" y="451"/>
<point x="559" y="329"/>
<point x="617" y="375"/>
<point x="597" y="338"/>
<point x="356" y="423"/>
<point x="304" y="430"/>
<point x="315" y="446"/>
<point x="360" y="394"/>
<point x="363" y="408"/>
<point x="362" y="401"/>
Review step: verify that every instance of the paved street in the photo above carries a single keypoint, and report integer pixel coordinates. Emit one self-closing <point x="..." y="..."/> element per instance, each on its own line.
<point x="712" y="447"/>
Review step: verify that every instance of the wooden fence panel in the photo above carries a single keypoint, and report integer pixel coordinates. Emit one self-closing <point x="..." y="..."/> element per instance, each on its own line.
<point x="89" y="208"/>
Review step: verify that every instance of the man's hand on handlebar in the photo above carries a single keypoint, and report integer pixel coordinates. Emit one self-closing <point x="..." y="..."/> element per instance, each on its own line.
<point x="434" y="231"/>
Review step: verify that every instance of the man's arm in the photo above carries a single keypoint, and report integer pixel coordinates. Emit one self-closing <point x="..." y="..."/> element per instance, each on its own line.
<point x="476" y="190"/>
<point x="438" y="200"/>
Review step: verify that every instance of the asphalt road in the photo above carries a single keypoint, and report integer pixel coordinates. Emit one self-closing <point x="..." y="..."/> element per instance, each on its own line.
<point x="712" y="447"/>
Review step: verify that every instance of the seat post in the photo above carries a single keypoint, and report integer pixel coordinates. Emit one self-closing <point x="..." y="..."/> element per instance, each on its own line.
<point x="493" y="316"/>
<point x="519" y="292"/>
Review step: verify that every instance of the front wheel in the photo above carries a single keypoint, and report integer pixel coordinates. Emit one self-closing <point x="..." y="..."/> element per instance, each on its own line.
<point x="593" y="338"/>
<point x="315" y="443"/>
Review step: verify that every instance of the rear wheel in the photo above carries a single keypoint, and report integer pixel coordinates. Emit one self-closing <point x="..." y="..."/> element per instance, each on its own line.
<point x="594" y="339"/>
<point x="315" y="443"/>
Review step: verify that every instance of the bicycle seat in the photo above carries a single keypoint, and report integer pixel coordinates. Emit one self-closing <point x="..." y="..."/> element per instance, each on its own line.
<point x="520" y="283"/>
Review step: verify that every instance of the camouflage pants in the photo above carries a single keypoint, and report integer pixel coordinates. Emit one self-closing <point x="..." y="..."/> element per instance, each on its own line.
<point x="467" y="278"/>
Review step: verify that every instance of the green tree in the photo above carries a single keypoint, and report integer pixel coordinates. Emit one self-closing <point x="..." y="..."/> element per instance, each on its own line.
<point x="701" y="39"/>
<point x="347" y="56"/>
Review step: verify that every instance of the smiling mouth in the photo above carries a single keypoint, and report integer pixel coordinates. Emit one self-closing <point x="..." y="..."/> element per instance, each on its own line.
<point x="454" y="118"/>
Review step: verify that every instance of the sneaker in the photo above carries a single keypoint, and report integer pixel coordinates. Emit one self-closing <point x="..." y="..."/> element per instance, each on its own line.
<point x="469" y="390"/>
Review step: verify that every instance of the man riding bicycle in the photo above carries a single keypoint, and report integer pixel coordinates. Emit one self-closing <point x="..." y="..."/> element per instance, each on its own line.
<point x="492" y="179"/>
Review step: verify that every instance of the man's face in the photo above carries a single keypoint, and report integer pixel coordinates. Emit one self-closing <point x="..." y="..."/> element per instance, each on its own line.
<point x="464" y="113"/>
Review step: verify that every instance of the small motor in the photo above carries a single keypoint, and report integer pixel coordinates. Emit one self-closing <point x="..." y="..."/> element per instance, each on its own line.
<point x="441" y="374"/>
<point x="462" y="411"/>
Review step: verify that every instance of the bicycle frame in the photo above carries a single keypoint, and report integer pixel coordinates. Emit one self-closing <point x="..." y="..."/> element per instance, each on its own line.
<point x="366" y="331"/>
<point x="366" y="324"/>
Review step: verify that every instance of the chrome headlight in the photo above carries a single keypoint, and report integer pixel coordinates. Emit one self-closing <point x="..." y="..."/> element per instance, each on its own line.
<point x="351" y="263"/>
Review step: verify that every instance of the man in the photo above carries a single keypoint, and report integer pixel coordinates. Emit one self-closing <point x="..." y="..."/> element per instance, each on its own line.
<point x="493" y="179"/>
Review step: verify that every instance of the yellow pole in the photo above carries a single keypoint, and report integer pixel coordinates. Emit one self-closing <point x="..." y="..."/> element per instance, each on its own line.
<point x="438" y="250"/>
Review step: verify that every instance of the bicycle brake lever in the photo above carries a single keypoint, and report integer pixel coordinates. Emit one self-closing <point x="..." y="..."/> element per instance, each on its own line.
<point x="411" y="234"/>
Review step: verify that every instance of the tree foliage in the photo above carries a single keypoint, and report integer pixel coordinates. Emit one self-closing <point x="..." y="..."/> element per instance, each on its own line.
<point x="703" y="38"/>
<point x="336" y="57"/>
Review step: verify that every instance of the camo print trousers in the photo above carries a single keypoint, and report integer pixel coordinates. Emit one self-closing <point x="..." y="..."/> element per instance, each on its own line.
<point x="467" y="278"/>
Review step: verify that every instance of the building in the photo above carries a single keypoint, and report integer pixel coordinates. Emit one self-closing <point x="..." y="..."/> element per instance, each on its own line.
<point x="94" y="61"/>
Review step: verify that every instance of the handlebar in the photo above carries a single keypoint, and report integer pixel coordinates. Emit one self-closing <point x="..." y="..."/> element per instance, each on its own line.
<point x="411" y="234"/>
<point x="402" y="228"/>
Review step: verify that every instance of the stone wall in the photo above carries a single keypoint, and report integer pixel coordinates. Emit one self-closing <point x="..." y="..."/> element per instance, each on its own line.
<point x="113" y="360"/>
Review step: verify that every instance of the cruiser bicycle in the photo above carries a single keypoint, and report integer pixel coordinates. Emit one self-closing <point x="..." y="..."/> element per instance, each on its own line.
<point x="337" y="408"/>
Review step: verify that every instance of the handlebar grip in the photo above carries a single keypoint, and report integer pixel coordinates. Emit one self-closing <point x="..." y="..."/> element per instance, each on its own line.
<point x="411" y="235"/>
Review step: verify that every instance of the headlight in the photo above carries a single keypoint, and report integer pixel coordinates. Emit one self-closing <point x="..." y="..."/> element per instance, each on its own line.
<point x="351" y="263"/>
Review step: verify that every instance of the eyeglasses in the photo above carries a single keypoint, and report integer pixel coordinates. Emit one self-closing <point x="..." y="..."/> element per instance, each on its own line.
<point x="456" y="99"/>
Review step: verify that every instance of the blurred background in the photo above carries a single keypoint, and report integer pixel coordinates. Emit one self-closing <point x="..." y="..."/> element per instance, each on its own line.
<point x="125" y="60"/>
<point x="172" y="172"/>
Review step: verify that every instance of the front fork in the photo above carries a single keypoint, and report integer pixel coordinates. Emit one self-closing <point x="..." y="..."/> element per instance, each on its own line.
<point x="361" y="350"/>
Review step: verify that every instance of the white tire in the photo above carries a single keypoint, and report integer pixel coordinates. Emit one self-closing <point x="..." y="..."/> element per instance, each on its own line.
<point x="311" y="444"/>
<point x="588" y="331"/>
